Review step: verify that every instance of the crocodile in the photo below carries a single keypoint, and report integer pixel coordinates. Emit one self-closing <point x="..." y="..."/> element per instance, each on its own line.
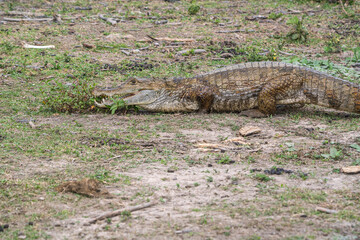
<point x="254" y="86"/>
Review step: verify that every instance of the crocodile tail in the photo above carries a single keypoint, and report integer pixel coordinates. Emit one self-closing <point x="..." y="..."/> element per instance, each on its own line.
<point x="332" y="92"/>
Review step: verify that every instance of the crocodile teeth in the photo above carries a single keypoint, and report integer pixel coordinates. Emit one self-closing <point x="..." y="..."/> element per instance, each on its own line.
<point x="100" y="105"/>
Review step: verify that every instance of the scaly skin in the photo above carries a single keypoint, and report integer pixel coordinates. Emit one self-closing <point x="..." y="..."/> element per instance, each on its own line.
<point x="254" y="85"/>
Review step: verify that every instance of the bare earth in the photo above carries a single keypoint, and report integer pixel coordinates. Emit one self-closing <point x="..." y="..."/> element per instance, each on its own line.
<point x="140" y="157"/>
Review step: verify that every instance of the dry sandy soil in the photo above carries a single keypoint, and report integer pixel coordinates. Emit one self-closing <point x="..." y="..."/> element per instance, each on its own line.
<point x="269" y="185"/>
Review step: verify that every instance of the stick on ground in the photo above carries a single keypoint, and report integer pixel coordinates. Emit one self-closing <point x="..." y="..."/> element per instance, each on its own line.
<point x="119" y="212"/>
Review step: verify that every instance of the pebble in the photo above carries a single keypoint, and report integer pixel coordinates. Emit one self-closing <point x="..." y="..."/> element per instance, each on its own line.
<point x="227" y="55"/>
<point x="171" y="170"/>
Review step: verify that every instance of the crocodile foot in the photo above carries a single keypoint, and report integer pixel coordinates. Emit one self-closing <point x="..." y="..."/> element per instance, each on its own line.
<point x="254" y="113"/>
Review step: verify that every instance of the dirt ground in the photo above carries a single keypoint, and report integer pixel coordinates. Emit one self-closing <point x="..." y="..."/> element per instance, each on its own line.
<point x="268" y="185"/>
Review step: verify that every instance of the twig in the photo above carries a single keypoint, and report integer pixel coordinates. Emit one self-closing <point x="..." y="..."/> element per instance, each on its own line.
<point x="343" y="8"/>
<point x="110" y="20"/>
<point x="27" y="19"/>
<point x="171" y="39"/>
<point x="17" y="13"/>
<point x="83" y="8"/>
<point x="119" y="212"/>
<point x="325" y="210"/>
<point x="128" y="151"/>
<point x="230" y="31"/>
<point x="25" y="45"/>
<point x="286" y="53"/>
<point x="57" y="18"/>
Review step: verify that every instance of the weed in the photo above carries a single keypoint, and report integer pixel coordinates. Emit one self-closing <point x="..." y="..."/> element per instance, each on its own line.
<point x="356" y="57"/>
<point x="333" y="45"/>
<point x="334" y="154"/>
<point x="69" y="98"/>
<point x="356" y="162"/>
<point x="275" y="16"/>
<point x="193" y="9"/>
<point x="224" y="159"/>
<point x="209" y="179"/>
<point x="120" y="104"/>
<point x="250" y="159"/>
<point x="262" y="177"/>
<point x="299" y="32"/>
<point x="355" y="146"/>
<point x="204" y="220"/>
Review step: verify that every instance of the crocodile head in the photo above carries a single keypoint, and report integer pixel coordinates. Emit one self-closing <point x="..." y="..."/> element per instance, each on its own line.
<point x="135" y="91"/>
<point x="131" y="87"/>
<point x="148" y="94"/>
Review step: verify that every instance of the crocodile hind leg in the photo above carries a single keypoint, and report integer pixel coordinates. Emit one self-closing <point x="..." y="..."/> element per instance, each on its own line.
<point x="282" y="87"/>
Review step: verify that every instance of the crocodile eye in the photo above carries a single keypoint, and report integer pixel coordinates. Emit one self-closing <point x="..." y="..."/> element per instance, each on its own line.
<point x="133" y="81"/>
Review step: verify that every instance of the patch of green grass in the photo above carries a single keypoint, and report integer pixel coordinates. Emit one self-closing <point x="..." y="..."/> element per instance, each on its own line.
<point x="333" y="45"/>
<point x="30" y="232"/>
<point x="193" y="9"/>
<point x="334" y="154"/>
<point x="337" y="70"/>
<point x="306" y="195"/>
<point x="299" y="33"/>
<point x="69" y="98"/>
<point x="262" y="177"/>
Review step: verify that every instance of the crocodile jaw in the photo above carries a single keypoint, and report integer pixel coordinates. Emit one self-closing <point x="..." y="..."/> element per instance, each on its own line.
<point x="132" y="86"/>
<point x="141" y="98"/>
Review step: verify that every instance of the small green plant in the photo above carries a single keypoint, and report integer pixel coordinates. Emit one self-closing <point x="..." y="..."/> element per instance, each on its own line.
<point x="299" y="32"/>
<point x="356" y="57"/>
<point x="334" y="154"/>
<point x="203" y="220"/>
<point x="333" y="45"/>
<point x="356" y="162"/>
<point x="72" y="97"/>
<point x="193" y="9"/>
<point x="275" y="16"/>
<point x="210" y="179"/>
<point x="190" y="52"/>
<point x="291" y="147"/>
<point x="355" y="146"/>
<point x="250" y="159"/>
<point x="117" y="105"/>
<point x="225" y="159"/>
<point x="262" y="177"/>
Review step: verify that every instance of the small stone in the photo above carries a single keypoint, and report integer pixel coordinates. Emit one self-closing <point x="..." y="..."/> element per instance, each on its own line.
<point x="235" y="182"/>
<point x="6" y="226"/>
<point x="161" y="22"/>
<point x="87" y="45"/>
<point x="30" y="223"/>
<point x="227" y="55"/>
<point x="249" y="130"/>
<point x="22" y="236"/>
<point x="191" y="51"/>
<point x="42" y="198"/>
<point x="171" y="170"/>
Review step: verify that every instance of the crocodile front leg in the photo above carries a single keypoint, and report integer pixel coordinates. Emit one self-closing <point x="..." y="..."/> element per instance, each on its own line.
<point x="280" y="87"/>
